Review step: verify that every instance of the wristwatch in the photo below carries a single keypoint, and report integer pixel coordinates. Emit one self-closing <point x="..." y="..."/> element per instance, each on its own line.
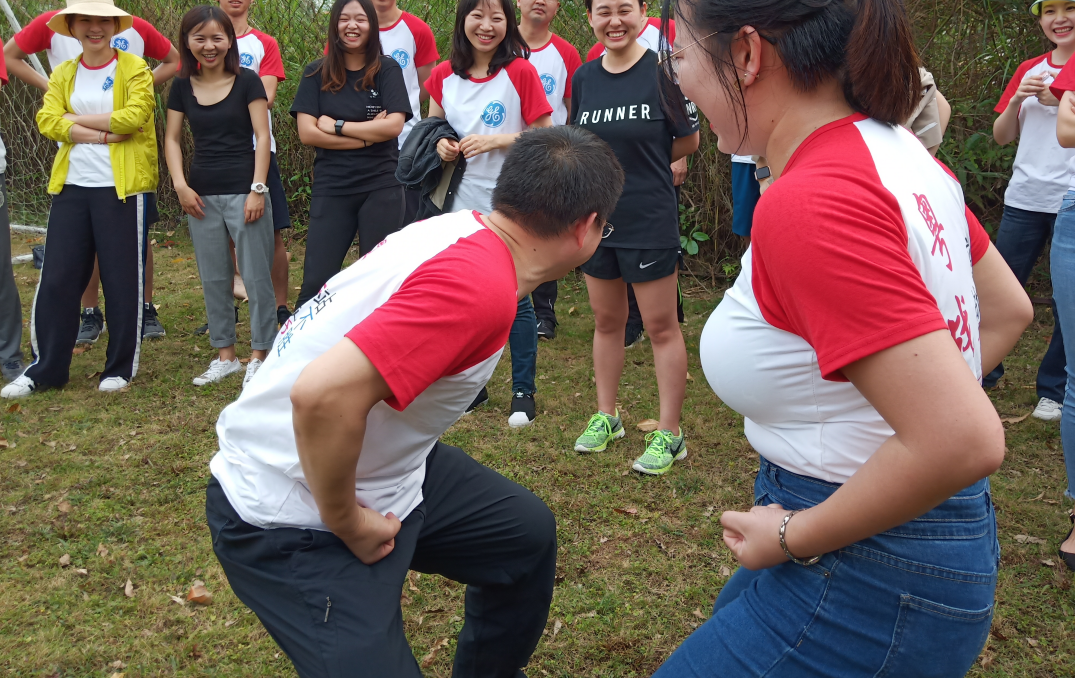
<point x="259" y="188"/>
<point x="339" y="128"/>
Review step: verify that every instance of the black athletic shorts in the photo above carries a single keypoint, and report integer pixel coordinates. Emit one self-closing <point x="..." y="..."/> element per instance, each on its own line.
<point x="634" y="266"/>
<point x="277" y="198"/>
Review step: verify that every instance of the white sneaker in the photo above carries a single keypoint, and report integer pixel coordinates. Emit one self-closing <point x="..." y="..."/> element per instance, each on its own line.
<point x="1048" y="410"/>
<point x="251" y="369"/>
<point x="21" y="387"/>
<point x="113" y="384"/>
<point x="218" y="369"/>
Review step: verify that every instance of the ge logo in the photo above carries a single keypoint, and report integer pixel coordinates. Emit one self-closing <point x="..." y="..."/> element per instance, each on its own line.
<point x="549" y="83"/>
<point x="494" y="114"/>
<point x="121" y="44"/>
<point x="401" y="57"/>
<point x="107" y="85"/>
<point x="246" y="60"/>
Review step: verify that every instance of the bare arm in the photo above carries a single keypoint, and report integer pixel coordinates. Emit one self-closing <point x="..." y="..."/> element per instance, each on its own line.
<point x="166" y="69"/>
<point x="310" y="135"/>
<point x="947" y="437"/>
<point x="89" y="135"/>
<point x="189" y="200"/>
<point x="271" y="83"/>
<point x="1065" y="120"/>
<point x="17" y="66"/>
<point x="1006" y="126"/>
<point x="684" y="146"/>
<point x="259" y="119"/>
<point x="1006" y="309"/>
<point x="944" y="115"/>
<point x="423" y="75"/>
<point x="381" y="128"/>
<point x="331" y="401"/>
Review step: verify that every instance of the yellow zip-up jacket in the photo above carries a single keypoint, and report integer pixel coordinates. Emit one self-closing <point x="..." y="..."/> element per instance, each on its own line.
<point x="134" y="161"/>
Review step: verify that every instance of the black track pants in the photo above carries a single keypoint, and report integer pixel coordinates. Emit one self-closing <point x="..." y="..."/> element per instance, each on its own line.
<point x="334" y="222"/>
<point x="84" y="222"/>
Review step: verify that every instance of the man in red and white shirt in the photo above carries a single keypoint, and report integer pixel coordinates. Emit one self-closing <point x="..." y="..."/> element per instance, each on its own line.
<point x="409" y="41"/>
<point x="260" y="53"/>
<point x="330" y="482"/>
<point x="141" y="40"/>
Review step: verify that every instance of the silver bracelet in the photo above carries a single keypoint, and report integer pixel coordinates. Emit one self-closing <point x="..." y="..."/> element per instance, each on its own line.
<point x="784" y="545"/>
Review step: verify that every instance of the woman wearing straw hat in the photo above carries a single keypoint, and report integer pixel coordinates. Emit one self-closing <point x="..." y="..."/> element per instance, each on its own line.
<point x="100" y="108"/>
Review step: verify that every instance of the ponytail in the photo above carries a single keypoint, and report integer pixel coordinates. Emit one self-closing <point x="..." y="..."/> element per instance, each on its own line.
<point x="865" y="44"/>
<point x="882" y="78"/>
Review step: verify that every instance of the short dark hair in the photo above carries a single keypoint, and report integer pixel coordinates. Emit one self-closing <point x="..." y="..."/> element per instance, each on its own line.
<point x="510" y="48"/>
<point x="554" y="176"/>
<point x="195" y="19"/>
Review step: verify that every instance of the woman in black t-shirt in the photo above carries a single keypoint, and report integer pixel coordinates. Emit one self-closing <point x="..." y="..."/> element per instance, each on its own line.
<point x="618" y="98"/>
<point x="224" y="193"/>
<point x="351" y="106"/>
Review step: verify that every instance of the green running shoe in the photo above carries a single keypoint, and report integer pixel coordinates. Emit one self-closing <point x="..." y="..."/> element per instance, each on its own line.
<point x="662" y="449"/>
<point x="602" y="429"/>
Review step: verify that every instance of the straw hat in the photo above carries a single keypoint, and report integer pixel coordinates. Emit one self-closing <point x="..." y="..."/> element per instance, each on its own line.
<point x="58" y="23"/>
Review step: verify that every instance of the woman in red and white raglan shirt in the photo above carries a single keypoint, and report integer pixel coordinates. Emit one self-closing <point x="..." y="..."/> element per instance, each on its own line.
<point x="260" y="53"/>
<point x="141" y="40"/>
<point x="489" y="93"/>
<point x="853" y="342"/>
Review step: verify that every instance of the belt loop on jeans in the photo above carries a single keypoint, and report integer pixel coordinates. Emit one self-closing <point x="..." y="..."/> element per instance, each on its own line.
<point x="772" y="472"/>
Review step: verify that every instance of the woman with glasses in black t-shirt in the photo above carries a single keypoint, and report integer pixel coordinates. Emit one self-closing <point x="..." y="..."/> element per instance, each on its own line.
<point x="351" y="105"/>
<point x="618" y="98"/>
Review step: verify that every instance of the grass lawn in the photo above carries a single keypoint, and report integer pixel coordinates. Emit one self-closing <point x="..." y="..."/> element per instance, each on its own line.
<point x="116" y="482"/>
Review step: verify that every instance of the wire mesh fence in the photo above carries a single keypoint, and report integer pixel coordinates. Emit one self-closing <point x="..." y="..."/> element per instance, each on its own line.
<point x="972" y="47"/>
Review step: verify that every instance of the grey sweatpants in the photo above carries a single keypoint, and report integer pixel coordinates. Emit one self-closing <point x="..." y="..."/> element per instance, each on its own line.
<point x="10" y="305"/>
<point x="254" y="251"/>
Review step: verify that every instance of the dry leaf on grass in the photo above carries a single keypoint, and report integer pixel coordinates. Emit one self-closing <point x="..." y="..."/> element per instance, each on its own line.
<point x="15" y="407"/>
<point x="199" y="594"/>
<point x="102" y="551"/>
<point x="118" y="664"/>
<point x="1027" y="539"/>
<point x="64" y="506"/>
<point x="628" y="510"/>
<point x="229" y="623"/>
<point x="128" y="590"/>
<point x="178" y="600"/>
<point x="65" y="560"/>
<point x="1014" y="420"/>
<point x="4" y="444"/>
<point x="79" y="350"/>
<point x="698" y="613"/>
<point x="427" y="660"/>
<point x="648" y="425"/>
<point x="410" y="581"/>
<point x="556" y="627"/>
<point x="1048" y="562"/>
<point x="83" y="571"/>
<point x="725" y="571"/>
<point x="117" y="674"/>
<point x="572" y="311"/>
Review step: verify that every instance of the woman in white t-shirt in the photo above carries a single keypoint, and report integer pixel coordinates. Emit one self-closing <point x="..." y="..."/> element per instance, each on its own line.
<point x="99" y="106"/>
<point x="870" y="303"/>
<point x="489" y="93"/>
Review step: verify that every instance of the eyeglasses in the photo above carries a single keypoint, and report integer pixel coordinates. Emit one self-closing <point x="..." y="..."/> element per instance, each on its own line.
<point x="668" y="59"/>
<point x="607" y="230"/>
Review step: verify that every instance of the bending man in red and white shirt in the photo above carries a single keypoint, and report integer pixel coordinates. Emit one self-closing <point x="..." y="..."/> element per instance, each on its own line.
<point x="331" y="483"/>
<point x="141" y="40"/>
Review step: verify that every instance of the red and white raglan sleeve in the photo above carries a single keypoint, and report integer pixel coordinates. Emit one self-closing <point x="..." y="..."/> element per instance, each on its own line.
<point x="36" y="36"/>
<point x="434" y="84"/>
<point x="157" y="46"/>
<point x="842" y="278"/>
<point x="445" y="318"/>
<point x="595" y="52"/>
<point x="570" y="55"/>
<point x="271" y="64"/>
<point x="425" y="45"/>
<point x="531" y="92"/>
<point x="3" y="69"/>
<point x="1013" y="84"/>
<point x="1065" y="82"/>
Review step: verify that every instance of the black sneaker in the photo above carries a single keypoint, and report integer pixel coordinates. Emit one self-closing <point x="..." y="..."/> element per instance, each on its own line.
<point x="479" y="400"/>
<point x="523" y="410"/>
<point x="151" y="324"/>
<point x="632" y="334"/>
<point x="282" y="314"/>
<point x="546" y="329"/>
<point x="204" y="329"/>
<point x="93" y="324"/>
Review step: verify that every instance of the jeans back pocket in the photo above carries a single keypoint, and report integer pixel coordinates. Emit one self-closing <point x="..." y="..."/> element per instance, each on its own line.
<point x="935" y="641"/>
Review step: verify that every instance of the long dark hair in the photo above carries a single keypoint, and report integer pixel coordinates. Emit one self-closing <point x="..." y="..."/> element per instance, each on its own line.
<point x="511" y="47"/>
<point x="192" y="21"/>
<point x="333" y="68"/>
<point x="866" y="45"/>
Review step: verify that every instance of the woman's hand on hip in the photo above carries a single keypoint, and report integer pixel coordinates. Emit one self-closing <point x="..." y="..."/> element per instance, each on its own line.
<point x="447" y="149"/>
<point x="255" y="207"/>
<point x="754" y="537"/>
<point x="191" y="202"/>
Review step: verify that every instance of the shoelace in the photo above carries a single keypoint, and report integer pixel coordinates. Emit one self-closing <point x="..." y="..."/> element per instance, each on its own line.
<point x="598" y="424"/>
<point x="215" y="368"/>
<point x="655" y="440"/>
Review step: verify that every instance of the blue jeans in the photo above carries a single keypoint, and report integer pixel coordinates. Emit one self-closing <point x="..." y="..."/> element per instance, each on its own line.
<point x="523" y="343"/>
<point x="1020" y="240"/>
<point x="1063" y="266"/>
<point x="915" y="601"/>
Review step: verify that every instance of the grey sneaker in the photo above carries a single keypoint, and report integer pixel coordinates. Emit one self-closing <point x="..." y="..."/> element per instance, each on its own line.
<point x="93" y="325"/>
<point x="151" y="324"/>
<point x="12" y="369"/>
